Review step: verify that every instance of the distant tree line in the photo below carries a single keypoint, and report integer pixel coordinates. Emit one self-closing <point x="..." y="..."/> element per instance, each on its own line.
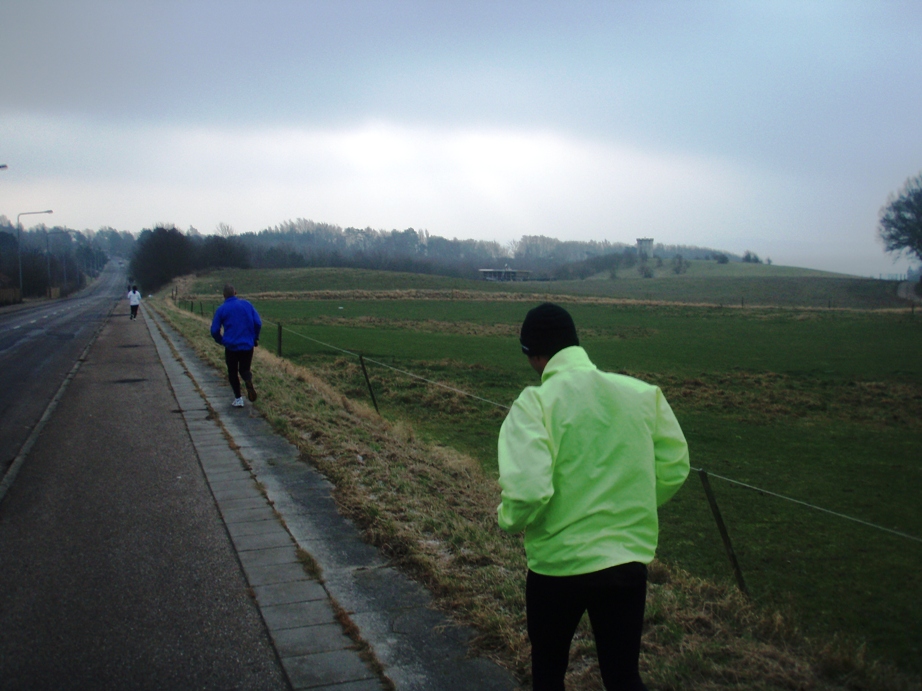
<point x="159" y="254"/>
<point x="628" y="258"/>
<point x="165" y="252"/>
<point x="57" y="257"/>
<point x="303" y="243"/>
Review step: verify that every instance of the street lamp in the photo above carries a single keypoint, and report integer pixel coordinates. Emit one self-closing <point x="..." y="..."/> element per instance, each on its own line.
<point x="48" y="234"/>
<point x="19" y="241"/>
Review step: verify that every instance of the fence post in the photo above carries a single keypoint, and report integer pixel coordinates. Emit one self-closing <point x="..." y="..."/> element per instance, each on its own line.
<point x="192" y="306"/>
<point x="368" y="381"/>
<point x="278" y="349"/>
<point x="724" y="535"/>
<point x="201" y="309"/>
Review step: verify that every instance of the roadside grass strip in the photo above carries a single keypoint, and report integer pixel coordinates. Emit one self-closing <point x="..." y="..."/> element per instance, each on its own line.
<point x="431" y="509"/>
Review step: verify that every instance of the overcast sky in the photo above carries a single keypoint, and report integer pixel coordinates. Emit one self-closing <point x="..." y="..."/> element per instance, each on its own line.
<point x="777" y="127"/>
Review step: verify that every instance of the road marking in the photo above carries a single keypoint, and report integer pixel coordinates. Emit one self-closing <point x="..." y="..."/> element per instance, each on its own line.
<point x="6" y="481"/>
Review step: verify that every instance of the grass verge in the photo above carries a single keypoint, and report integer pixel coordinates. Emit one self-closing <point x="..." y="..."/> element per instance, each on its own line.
<point x="432" y="511"/>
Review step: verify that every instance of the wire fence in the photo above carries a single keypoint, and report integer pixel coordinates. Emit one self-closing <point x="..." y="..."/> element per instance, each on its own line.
<point x="702" y="473"/>
<point x="760" y="490"/>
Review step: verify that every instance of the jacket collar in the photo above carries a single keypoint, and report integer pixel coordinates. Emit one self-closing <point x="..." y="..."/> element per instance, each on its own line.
<point x="573" y="357"/>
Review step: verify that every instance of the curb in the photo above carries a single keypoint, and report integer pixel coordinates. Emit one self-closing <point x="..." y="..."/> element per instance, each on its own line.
<point x="411" y="644"/>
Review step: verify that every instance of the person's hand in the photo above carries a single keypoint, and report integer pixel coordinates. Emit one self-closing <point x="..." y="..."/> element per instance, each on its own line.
<point x="256" y="343"/>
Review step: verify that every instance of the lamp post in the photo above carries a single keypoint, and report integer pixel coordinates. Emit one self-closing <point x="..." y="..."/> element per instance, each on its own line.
<point x="48" y="234"/>
<point x="19" y="241"/>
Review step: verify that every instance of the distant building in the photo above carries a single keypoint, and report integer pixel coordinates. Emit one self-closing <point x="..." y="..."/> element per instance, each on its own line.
<point x="505" y="274"/>
<point x="645" y="246"/>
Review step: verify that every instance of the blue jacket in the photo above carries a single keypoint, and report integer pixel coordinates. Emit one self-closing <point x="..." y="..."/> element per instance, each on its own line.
<point x="241" y="324"/>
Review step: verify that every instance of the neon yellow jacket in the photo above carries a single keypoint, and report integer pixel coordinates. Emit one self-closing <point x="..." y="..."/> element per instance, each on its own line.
<point x="585" y="459"/>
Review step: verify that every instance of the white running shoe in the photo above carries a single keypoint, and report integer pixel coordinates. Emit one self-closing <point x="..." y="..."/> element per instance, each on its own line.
<point x="238" y="402"/>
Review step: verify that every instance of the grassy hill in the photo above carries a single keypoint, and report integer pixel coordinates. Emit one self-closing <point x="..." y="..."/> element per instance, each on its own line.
<point x="704" y="282"/>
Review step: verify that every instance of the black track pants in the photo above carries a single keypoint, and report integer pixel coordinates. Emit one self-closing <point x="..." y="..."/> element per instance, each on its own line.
<point x="615" y="600"/>
<point x="238" y="362"/>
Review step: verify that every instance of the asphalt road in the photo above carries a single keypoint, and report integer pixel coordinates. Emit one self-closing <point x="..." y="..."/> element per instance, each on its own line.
<point x="116" y="570"/>
<point x="39" y="345"/>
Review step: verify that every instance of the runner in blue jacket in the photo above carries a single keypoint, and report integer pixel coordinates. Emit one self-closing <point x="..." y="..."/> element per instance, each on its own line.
<point x="241" y="324"/>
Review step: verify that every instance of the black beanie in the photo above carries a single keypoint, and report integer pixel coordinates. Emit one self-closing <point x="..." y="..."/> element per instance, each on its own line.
<point x="547" y="329"/>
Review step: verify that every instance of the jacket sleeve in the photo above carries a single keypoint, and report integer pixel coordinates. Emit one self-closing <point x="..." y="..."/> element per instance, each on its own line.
<point x="257" y="323"/>
<point x="216" y="327"/>
<point x="526" y="465"/>
<point x="670" y="450"/>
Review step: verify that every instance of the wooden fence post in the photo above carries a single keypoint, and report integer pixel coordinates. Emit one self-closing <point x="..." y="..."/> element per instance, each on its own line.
<point x="724" y="535"/>
<point x="368" y="381"/>
<point x="278" y="349"/>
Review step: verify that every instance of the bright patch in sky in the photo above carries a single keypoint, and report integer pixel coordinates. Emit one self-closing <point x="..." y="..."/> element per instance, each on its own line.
<point x="775" y="127"/>
<point x="483" y="184"/>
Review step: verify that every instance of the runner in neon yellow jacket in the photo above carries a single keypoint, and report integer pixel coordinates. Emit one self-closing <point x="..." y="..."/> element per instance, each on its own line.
<point x="585" y="459"/>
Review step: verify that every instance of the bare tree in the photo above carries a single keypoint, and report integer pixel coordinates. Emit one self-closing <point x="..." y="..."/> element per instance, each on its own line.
<point x="900" y="225"/>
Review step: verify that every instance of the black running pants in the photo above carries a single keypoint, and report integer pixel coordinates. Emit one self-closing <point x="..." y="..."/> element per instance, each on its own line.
<point x="238" y="365"/>
<point x="614" y="599"/>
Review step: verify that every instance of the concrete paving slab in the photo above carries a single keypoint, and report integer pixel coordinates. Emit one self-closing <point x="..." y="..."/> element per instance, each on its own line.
<point x="378" y="589"/>
<point x="268" y="557"/>
<point x="308" y="640"/>
<point x="366" y="685"/>
<point x="256" y="501"/>
<point x="246" y="515"/>
<point x="224" y="474"/>
<point x="205" y="437"/>
<point x="200" y="414"/>
<point x="261" y="541"/>
<point x="216" y="466"/>
<point x="323" y="669"/>
<point x="345" y="550"/>
<point x="238" y="492"/>
<point x="298" y="614"/>
<point x="277" y="573"/>
<point x="217" y="447"/>
<point x="285" y="593"/>
<point x="242" y="480"/>
<point x="215" y="458"/>
<point x="253" y="527"/>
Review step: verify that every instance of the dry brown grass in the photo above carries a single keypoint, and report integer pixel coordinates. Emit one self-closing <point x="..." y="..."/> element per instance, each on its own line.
<point x="432" y="511"/>
<point x="186" y="287"/>
<point x="762" y="397"/>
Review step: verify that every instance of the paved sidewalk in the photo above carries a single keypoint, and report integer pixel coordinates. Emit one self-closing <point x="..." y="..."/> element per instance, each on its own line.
<point x="273" y="505"/>
<point x="116" y="569"/>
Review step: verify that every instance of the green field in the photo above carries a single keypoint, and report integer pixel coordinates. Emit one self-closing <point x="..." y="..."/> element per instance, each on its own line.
<point x="821" y="405"/>
<point x="705" y="282"/>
